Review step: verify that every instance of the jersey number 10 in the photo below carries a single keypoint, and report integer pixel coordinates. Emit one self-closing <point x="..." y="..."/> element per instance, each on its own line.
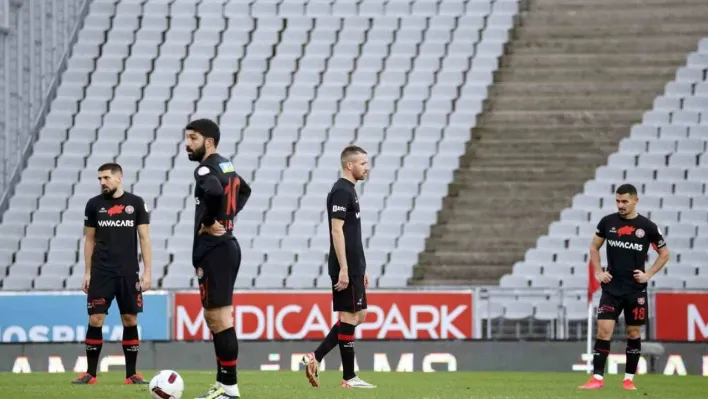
<point x="231" y="193"/>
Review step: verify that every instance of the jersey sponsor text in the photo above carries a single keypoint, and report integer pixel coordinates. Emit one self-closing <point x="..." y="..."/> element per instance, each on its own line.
<point x="626" y="245"/>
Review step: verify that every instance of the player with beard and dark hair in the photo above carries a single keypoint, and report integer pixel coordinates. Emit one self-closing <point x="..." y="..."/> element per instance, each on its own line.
<point x="347" y="269"/>
<point x="628" y="236"/>
<point x="220" y="195"/>
<point x="113" y="221"/>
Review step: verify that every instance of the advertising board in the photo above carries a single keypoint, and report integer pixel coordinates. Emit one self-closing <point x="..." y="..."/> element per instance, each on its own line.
<point x="62" y="317"/>
<point x="295" y="315"/>
<point x="681" y="316"/>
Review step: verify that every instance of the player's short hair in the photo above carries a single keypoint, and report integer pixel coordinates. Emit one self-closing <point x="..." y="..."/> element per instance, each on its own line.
<point x="112" y="166"/>
<point x="207" y="128"/>
<point x="351" y="150"/>
<point x="626" y="189"/>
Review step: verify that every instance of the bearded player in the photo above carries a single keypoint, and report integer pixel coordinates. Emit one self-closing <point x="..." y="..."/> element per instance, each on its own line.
<point x="220" y="194"/>
<point x="628" y="236"/>
<point x="115" y="223"/>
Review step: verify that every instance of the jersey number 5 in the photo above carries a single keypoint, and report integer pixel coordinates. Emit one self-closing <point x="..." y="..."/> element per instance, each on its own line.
<point x="231" y="192"/>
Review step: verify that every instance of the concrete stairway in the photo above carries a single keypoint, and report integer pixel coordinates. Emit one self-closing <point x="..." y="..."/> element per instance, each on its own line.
<point x="575" y="77"/>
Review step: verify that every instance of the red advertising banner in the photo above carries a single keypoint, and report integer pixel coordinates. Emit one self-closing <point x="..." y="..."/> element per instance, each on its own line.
<point x="295" y="315"/>
<point x="682" y="316"/>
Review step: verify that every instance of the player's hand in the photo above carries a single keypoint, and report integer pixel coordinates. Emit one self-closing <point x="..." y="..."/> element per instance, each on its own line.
<point x="215" y="229"/>
<point x="343" y="282"/>
<point x="145" y="282"/>
<point x="366" y="281"/>
<point x="603" y="277"/>
<point x="85" y="284"/>
<point x="641" y="277"/>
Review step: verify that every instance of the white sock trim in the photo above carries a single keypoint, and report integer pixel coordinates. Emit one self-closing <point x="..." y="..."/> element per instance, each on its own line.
<point x="231" y="390"/>
<point x="628" y="376"/>
<point x="598" y="377"/>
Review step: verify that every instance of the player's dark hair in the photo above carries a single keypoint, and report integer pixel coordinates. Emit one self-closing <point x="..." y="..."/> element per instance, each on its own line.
<point x="351" y="150"/>
<point x="113" y="167"/>
<point x="626" y="189"/>
<point x="207" y="128"/>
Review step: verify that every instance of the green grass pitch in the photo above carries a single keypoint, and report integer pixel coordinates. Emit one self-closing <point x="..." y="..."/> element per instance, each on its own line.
<point x="270" y="384"/>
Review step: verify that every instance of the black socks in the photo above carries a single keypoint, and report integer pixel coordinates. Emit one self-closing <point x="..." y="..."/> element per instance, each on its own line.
<point x="226" y="346"/>
<point x="328" y="344"/>
<point x="602" y="350"/>
<point x="94" y="343"/>
<point x="131" y="344"/>
<point x="634" y="351"/>
<point x="346" y="349"/>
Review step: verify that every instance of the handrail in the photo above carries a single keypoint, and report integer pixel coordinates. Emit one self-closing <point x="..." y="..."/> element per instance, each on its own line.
<point x="42" y="114"/>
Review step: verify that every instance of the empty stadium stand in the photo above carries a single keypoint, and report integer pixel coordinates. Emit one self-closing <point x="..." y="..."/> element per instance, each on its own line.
<point x="483" y="120"/>
<point x="291" y="83"/>
<point x="663" y="156"/>
<point x="575" y="77"/>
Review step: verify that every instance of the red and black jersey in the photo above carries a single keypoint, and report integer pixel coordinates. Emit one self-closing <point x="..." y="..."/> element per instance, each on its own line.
<point x="627" y="241"/>
<point x="116" y="221"/>
<point x="343" y="203"/>
<point x="220" y="194"/>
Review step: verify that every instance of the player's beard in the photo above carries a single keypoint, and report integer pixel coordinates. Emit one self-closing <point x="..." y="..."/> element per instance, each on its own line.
<point x="108" y="192"/>
<point x="197" y="154"/>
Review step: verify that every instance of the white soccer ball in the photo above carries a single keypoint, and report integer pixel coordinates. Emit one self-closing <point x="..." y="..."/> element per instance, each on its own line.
<point x="167" y="384"/>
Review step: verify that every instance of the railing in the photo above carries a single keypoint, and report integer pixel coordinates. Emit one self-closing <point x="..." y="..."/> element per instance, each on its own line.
<point x="32" y="36"/>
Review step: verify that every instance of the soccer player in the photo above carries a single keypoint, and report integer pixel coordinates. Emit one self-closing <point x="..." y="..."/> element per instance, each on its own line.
<point x="220" y="195"/>
<point x="113" y="221"/>
<point x="347" y="269"/>
<point x="624" y="284"/>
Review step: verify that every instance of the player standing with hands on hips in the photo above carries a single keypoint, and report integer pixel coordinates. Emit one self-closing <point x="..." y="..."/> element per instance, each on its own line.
<point x="347" y="268"/>
<point x="113" y="221"/>
<point x="628" y="236"/>
<point x="220" y="194"/>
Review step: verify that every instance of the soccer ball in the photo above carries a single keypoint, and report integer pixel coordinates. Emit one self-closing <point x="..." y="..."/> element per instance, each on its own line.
<point x="167" y="384"/>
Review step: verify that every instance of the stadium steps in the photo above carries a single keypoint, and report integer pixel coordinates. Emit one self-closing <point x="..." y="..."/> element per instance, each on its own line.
<point x="574" y="78"/>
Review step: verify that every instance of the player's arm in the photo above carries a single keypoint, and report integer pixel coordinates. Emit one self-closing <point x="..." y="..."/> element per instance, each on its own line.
<point x="657" y="241"/>
<point x="143" y="221"/>
<point x="340" y="200"/>
<point x="244" y="193"/>
<point x="213" y="193"/>
<point x="598" y="240"/>
<point x="89" y="236"/>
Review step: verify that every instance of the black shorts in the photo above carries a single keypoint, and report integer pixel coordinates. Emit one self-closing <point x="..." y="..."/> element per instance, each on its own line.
<point x="217" y="273"/>
<point x="635" y="307"/>
<point x="103" y="287"/>
<point x="353" y="298"/>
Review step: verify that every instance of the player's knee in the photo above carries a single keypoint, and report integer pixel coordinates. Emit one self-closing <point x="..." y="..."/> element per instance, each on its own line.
<point x="361" y="316"/>
<point x="218" y="319"/>
<point x="349" y="318"/>
<point x="129" y="320"/>
<point x="605" y="329"/>
<point x="634" y="332"/>
<point x="96" y="320"/>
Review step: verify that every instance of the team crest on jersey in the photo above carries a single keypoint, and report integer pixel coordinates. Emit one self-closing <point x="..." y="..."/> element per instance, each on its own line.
<point x="200" y="272"/>
<point x="129" y="210"/>
<point x="137" y="286"/>
<point x="227" y="167"/>
<point x="640" y="301"/>
<point x="639" y="233"/>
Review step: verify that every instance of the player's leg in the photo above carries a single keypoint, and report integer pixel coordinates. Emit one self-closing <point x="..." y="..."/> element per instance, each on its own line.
<point x="312" y="360"/>
<point x="351" y="314"/>
<point x="130" y="303"/>
<point x="636" y="310"/>
<point x="216" y="284"/>
<point x="608" y="311"/>
<point x="101" y="291"/>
